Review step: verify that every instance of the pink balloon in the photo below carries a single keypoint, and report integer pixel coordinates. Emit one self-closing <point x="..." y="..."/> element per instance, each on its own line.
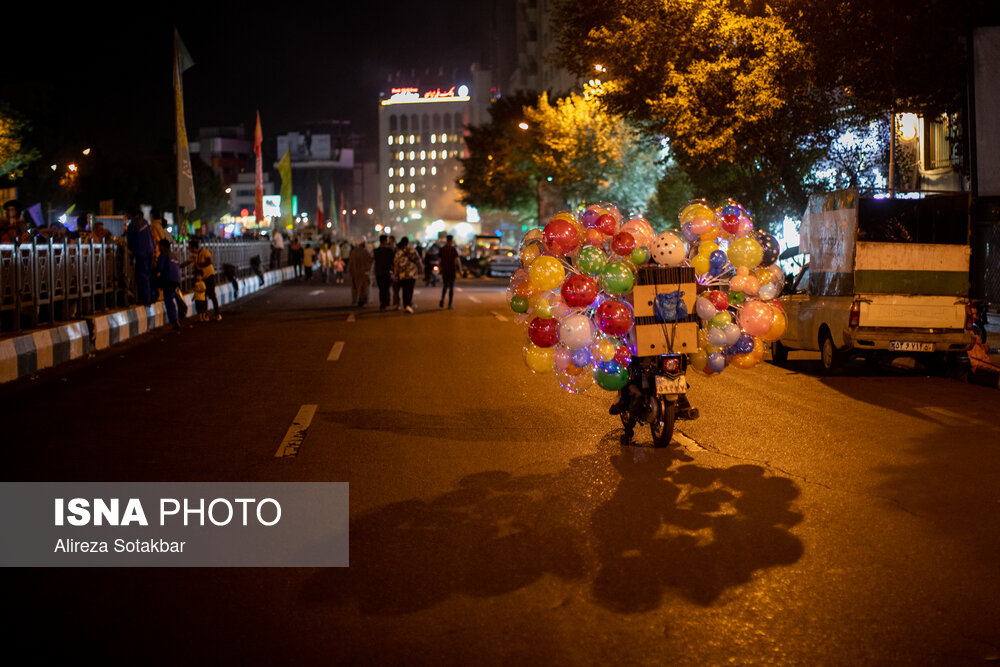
<point x="756" y="317"/>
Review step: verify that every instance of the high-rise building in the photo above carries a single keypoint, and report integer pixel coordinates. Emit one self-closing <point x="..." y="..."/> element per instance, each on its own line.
<point x="535" y="42"/>
<point x="227" y="150"/>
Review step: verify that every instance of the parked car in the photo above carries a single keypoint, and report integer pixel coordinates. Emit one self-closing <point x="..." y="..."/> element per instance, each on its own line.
<point x="502" y="262"/>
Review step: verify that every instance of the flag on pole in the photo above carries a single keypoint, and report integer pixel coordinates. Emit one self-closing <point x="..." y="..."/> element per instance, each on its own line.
<point x="258" y="187"/>
<point x="185" y="178"/>
<point x="319" y="205"/>
<point x="285" y="169"/>
<point x="343" y="224"/>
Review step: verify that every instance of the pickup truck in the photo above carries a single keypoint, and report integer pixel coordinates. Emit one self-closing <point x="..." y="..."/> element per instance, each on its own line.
<point x="885" y="277"/>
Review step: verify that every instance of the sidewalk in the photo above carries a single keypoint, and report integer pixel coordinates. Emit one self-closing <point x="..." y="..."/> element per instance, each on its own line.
<point x="25" y="354"/>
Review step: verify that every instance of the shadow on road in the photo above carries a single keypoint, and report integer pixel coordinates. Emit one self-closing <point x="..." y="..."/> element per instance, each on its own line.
<point x="631" y="525"/>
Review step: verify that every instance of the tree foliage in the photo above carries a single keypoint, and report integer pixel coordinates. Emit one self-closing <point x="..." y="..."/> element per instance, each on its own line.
<point x="572" y="147"/>
<point x="15" y="156"/>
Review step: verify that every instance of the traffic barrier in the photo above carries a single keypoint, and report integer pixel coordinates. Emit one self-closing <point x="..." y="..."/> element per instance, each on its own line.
<point x="29" y="353"/>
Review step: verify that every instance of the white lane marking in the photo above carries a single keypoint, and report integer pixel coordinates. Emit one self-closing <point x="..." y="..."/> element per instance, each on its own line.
<point x="315" y="292"/>
<point x="335" y="351"/>
<point x="499" y="316"/>
<point x="458" y="289"/>
<point x="296" y="432"/>
<point x="350" y="318"/>
<point x="474" y="299"/>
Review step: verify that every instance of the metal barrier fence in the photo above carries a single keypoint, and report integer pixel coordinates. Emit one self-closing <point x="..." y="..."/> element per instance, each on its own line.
<point x="44" y="282"/>
<point x="992" y="284"/>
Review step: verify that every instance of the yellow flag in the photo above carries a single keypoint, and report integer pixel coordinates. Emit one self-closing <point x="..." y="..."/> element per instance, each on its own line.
<point x="285" y="169"/>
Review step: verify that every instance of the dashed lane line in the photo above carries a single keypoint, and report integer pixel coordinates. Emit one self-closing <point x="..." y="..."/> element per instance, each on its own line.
<point x="499" y="316"/>
<point x="316" y="291"/>
<point x="335" y="351"/>
<point x="474" y="299"/>
<point x="351" y="318"/>
<point x="296" y="434"/>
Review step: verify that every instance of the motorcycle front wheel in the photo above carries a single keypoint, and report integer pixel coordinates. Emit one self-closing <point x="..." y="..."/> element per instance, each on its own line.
<point x="663" y="428"/>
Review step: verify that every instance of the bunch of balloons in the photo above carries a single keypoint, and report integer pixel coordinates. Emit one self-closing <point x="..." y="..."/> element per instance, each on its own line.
<point x="737" y="264"/>
<point x="572" y="291"/>
<point x="572" y="294"/>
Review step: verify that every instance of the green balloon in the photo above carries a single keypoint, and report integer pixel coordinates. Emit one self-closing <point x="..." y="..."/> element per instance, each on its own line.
<point x="617" y="278"/>
<point x="591" y="260"/>
<point x="611" y="381"/>
<point x="518" y="304"/>
<point x="737" y="298"/>
<point x="721" y="319"/>
<point x="640" y="255"/>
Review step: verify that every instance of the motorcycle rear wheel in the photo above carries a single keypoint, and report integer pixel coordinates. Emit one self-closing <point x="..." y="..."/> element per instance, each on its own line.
<point x="663" y="428"/>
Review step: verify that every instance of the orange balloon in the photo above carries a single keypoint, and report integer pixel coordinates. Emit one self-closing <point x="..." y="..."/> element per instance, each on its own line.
<point x="526" y="289"/>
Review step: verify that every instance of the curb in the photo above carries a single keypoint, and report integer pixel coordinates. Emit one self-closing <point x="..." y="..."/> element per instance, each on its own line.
<point x="29" y="353"/>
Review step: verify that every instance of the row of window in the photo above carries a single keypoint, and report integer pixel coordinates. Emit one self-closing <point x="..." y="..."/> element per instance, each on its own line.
<point x="406" y="123"/>
<point x="413" y="172"/>
<point x="402" y="204"/>
<point x="434" y="155"/>
<point x="435" y="138"/>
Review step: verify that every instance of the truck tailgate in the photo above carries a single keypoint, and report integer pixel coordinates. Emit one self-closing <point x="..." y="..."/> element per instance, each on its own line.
<point x="912" y="312"/>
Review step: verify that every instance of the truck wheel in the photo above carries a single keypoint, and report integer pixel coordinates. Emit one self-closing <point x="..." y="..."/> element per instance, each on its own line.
<point x="779" y="353"/>
<point x="831" y="358"/>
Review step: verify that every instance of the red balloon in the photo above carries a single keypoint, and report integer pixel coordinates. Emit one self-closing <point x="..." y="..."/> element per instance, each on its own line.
<point x="718" y="299"/>
<point x="560" y="236"/>
<point x="606" y="223"/>
<point x="593" y="237"/>
<point x="623" y="244"/>
<point x="579" y="291"/>
<point x="613" y="318"/>
<point x="544" y="332"/>
<point x="622" y="355"/>
<point x="730" y="223"/>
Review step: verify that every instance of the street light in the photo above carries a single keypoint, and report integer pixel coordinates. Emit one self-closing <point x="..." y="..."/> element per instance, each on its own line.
<point x="523" y="125"/>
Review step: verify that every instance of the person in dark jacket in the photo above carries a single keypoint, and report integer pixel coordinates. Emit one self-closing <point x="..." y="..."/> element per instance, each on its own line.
<point x="384" y="255"/>
<point x="139" y="236"/>
<point x="168" y="279"/>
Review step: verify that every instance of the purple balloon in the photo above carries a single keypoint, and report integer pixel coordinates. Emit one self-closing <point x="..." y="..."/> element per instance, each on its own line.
<point x="716" y="361"/>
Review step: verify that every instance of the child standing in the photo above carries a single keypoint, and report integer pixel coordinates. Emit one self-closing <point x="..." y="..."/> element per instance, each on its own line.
<point x="200" y="304"/>
<point x="338" y="269"/>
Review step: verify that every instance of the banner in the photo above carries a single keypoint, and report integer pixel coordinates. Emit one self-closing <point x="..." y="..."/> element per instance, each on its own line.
<point x="258" y="188"/>
<point x="285" y="169"/>
<point x="319" y="205"/>
<point x="185" y="177"/>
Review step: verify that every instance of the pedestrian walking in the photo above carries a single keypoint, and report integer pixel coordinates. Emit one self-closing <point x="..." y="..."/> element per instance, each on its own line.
<point x="325" y="262"/>
<point x="359" y="263"/>
<point x="308" y="258"/>
<point x="202" y="260"/>
<point x="295" y="256"/>
<point x="277" y="246"/>
<point x="338" y="270"/>
<point x="451" y="266"/>
<point x="168" y="280"/>
<point x="407" y="267"/>
<point x="384" y="256"/>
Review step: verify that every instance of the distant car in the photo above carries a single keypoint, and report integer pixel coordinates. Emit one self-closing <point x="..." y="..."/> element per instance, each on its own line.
<point x="502" y="262"/>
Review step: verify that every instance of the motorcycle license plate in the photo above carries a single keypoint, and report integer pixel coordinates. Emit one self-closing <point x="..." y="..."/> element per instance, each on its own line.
<point x="908" y="346"/>
<point x="665" y="385"/>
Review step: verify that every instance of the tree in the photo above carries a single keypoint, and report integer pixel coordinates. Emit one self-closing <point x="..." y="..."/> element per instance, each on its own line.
<point x="15" y="157"/>
<point x="573" y="150"/>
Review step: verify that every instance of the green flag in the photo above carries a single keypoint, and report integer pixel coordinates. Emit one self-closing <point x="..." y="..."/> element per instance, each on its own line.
<point x="285" y="169"/>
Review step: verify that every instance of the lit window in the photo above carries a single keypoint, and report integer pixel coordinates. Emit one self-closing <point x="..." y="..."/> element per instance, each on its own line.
<point x="399" y="155"/>
<point x="434" y="171"/>
<point x="434" y="155"/>
<point x="402" y="204"/>
<point x="411" y="138"/>
<point x="412" y="171"/>
<point x="433" y="138"/>
<point x="423" y="203"/>
<point x="423" y="171"/>
<point x="413" y="203"/>
<point x="423" y="155"/>
<point x="391" y="172"/>
<point x="413" y="187"/>
<point x="392" y="188"/>
<point x="399" y="139"/>
<point x="444" y="137"/>
<point x="413" y="154"/>
<point x="392" y="204"/>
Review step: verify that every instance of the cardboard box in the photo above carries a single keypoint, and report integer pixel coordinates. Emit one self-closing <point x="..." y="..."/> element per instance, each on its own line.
<point x="655" y="338"/>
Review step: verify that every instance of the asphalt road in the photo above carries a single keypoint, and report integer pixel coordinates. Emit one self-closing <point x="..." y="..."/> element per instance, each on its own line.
<point x="495" y="519"/>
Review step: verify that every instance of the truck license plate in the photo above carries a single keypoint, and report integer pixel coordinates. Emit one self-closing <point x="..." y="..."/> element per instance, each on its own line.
<point x="908" y="346"/>
<point x="665" y="385"/>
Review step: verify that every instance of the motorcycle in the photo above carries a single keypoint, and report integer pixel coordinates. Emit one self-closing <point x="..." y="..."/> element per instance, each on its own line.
<point x="432" y="273"/>
<point x="656" y="394"/>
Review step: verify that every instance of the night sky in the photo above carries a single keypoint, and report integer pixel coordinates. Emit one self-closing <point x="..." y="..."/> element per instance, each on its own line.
<point x="295" y="62"/>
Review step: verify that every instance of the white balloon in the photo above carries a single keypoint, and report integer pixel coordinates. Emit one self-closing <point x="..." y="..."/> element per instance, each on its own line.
<point x="768" y="291"/>
<point x="705" y="309"/>
<point x="668" y="249"/>
<point x="733" y="332"/>
<point x="576" y="331"/>
<point x="716" y="336"/>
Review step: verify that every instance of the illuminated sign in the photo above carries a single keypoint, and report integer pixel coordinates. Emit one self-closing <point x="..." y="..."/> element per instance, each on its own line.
<point x="412" y="95"/>
<point x="272" y="205"/>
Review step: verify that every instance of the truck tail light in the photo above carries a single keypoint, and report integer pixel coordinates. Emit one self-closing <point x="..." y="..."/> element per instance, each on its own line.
<point x="855" y="315"/>
<point x="671" y="364"/>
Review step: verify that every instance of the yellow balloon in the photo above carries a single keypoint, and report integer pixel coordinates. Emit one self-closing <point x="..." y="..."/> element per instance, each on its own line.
<point x="531" y="252"/>
<point x="712" y="349"/>
<point x="706" y="248"/>
<point x="758" y="350"/>
<point x="604" y="350"/>
<point x="692" y="211"/>
<point x="699" y="359"/>
<point x="700" y="264"/>
<point x="538" y="359"/>
<point x="546" y="272"/>
<point x="532" y="235"/>
<point x="778" y="325"/>
<point x="743" y="361"/>
<point x="564" y="215"/>
<point x="543" y="308"/>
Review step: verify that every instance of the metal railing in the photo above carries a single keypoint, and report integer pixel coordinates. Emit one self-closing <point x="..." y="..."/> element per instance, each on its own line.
<point x="42" y="282"/>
